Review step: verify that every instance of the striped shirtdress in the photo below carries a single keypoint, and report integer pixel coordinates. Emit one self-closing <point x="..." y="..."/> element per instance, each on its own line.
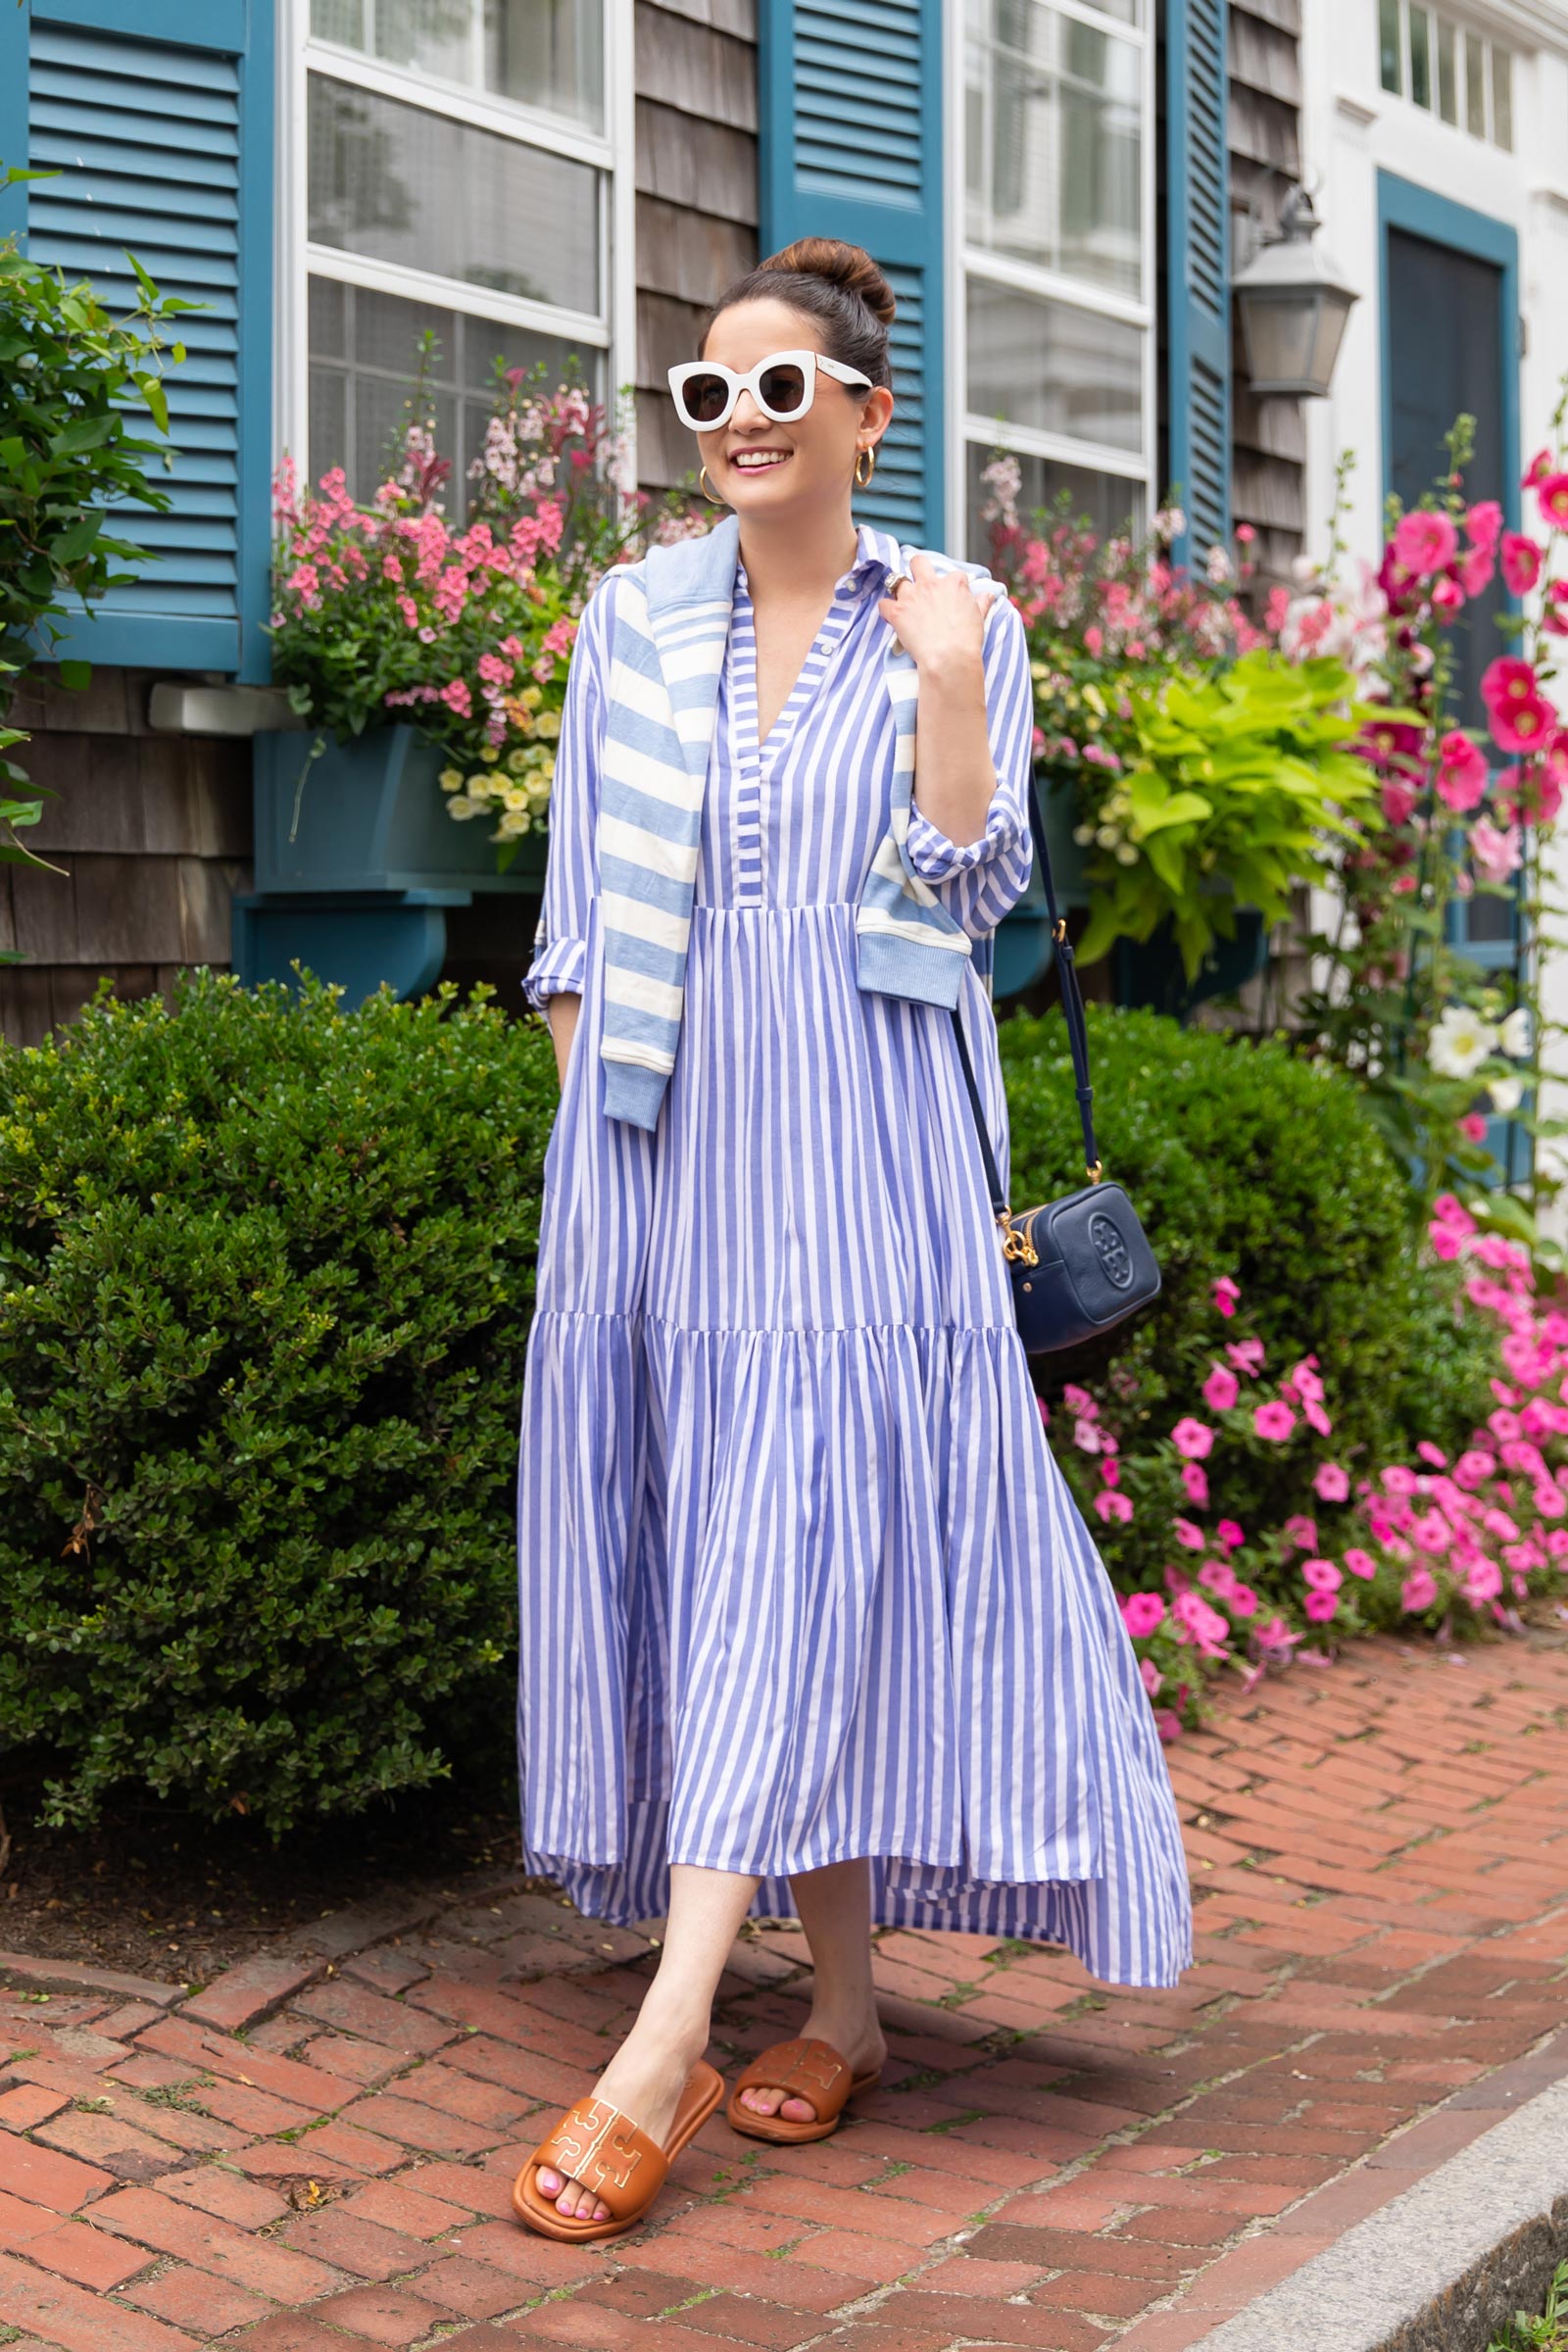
<point x="800" y="1579"/>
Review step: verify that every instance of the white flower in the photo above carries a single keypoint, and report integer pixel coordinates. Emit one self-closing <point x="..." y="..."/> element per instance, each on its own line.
<point x="1460" y="1042"/>
<point x="1304" y="569"/>
<point x="463" y="808"/>
<point x="1169" y="523"/>
<point x="1513" y="1037"/>
<point x="1507" y="1093"/>
<point x="1218" y="566"/>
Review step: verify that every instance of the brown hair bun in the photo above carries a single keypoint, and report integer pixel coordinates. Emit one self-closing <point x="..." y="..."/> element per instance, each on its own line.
<point x="848" y="266"/>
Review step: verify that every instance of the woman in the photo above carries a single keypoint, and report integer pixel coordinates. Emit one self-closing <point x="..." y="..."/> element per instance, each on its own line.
<point x="810" y="1623"/>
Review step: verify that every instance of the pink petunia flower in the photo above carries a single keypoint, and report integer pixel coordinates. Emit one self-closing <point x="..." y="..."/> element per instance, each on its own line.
<point x="1150" y="1676"/>
<point x="1192" y="1438"/>
<point x="1229" y="1534"/>
<point x="1321" y="1608"/>
<point x="1188" y="1537"/>
<point x="1322" y="1575"/>
<point x="1218" y="1576"/>
<point x="1221" y="1390"/>
<point x="1302" y="1531"/>
<point x="1243" y="1600"/>
<point x="1142" y="1612"/>
<point x="1247" y="1356"/>
<point x="1360" y="1563"/>
<point x="1194" y="1478"/>
<point x="1332" y="1483"/>
<point x="1418" y="1592"/>
<point x="1226" y="1293"/>
<point x="1112" y="1505"/>
<point x="1274" y="1421"/>
<point x="1086" y="1437"/>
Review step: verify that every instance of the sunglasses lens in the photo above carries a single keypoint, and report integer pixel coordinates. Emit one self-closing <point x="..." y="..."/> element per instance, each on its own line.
<point x="784" y="389"/>
<point x="705" y="398"/>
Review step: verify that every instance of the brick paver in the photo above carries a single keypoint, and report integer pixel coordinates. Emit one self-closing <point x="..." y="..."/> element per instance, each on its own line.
<point x="317" y="2152"/>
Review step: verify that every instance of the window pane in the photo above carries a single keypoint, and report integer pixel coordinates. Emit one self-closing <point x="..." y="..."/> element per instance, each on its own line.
<point x="1447" y="79"/>
<point x="1420" y="56"/>
<point x="364" y="351"/>
<point x="422" y="190"/>
<point x="1054" y="367"/>
<point x="1475" y="83"/>
<point x="546" y="53"/>
<point x="1502" y="96"/>
<point x="1053" y="112"/>
<point x="1389" y="46"/>
<point x="1108" y="501"/>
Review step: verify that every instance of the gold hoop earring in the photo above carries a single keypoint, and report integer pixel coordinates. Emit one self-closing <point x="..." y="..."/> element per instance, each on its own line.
<point x="862" y="480"/>
<point x="711" y="495"/>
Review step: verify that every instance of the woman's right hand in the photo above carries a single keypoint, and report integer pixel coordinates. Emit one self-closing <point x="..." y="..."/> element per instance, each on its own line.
<point x="562" y="1010"/>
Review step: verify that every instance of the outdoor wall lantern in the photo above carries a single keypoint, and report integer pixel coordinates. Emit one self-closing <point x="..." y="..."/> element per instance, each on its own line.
<point x="1293" y="304"/>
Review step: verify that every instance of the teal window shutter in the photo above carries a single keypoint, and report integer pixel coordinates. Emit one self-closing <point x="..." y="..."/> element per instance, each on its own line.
<point x="1198" y="269"/>
<point x="852" y="148"/>
<point x="156" y="119"/>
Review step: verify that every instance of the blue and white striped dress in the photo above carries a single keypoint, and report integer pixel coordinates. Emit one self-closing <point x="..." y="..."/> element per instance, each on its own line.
<point x="800" y="1578"/>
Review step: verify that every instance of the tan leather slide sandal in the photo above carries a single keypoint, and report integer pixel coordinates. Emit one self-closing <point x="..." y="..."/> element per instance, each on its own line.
<point x="807" y="2069"/>
<point x="604" y="2149"/>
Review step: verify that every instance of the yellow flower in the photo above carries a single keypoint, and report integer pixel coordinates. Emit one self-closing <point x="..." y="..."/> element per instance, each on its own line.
<point x="480" y="788"/>
<point x="489" y="751"/>
<point x="515" y="821"/>
<point x="547" y="723"/>
<point x="451" y="779"/>
<point x="518" y="762"/>
<point x="515" y="795"/>
<point x="532" y="696"/>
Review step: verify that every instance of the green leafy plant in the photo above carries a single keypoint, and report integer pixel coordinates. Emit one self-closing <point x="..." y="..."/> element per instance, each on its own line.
<point x="1546" y="2330"/>
<point x="1230" y="786"/>
<point x="266" y="1277"/>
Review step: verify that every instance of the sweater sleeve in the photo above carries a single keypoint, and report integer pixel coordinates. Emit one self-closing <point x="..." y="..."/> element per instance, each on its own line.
<point x="572" y="881"/>
<point x="980" y="881"/>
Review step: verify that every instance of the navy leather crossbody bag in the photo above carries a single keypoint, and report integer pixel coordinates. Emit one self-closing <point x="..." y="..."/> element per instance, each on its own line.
<point x="1082" y="1264"/>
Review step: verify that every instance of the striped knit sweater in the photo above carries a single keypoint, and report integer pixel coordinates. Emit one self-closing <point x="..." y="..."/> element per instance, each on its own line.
<point x="672" y="616"/>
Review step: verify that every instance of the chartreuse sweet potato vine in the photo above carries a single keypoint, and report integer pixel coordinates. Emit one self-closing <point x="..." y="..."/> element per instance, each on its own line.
<point x="1229" y="784"/>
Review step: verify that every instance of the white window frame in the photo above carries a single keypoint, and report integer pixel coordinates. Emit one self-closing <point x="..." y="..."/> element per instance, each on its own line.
<point x="966" y="428"/>
<point x="610" y="152"/>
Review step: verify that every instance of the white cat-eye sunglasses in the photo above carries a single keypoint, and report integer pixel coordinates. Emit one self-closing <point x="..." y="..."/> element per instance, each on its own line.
<point x="783" y="387"/>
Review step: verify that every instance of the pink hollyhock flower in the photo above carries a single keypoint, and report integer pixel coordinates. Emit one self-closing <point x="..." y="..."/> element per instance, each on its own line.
<point x="1321" y="1606"/>
<point x="1424" y="541"/>
<point x="1142" y="1612"/>
<point x="1218" y="1576"/>
<point x="1188" y="1537"/>
<point x="1225" y="1295"/>
<point x="1551" y="496"/>
<point x="1332" y="1483"/>
<point x="1447" y="596"/>
<point x="1220" y="1390"/>
<point x="1302" y="1531"/>
<point x="1484" y="521"/>
<point x="1194" y="1478"/>
<point x="1194" y="1439"/>
<point x="1243" y="1600"/>
<point x="1508" y="679"/>
<point x="1229" y="1534"/>
<point x="1521" y="563"/>
<point x="1539" y="468"/>
<point x="1247" y="1356"/>
<point x="1150" y="1676"/>
<point x="1322" y="1575"/>
<point x="1274" y="1421"/>
<point x="1360" y="1563"/>
<point x="1398" y="804"/>
<point x="1418" y="1592"/>
<point x="1523" y="725"/>
<point x="1462" y="776"/>
<point x="1473" y="1127"/>
<point x="1498" y="854"/>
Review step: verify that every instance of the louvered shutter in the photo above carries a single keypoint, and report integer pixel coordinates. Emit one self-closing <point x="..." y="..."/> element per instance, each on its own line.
<point x="1198" y="269"/>
<point x="156" y="119"/>
<point x="852" y="148"/>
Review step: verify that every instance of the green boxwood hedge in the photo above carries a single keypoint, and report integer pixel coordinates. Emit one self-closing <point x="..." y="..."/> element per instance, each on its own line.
<point x="266" y="1276"/>
<point x="266" y="1280"/>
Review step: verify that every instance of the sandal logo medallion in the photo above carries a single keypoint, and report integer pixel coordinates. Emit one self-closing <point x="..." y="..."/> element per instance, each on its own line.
<point x="575" y="2152"/>
<point x="1112" y="1252"/>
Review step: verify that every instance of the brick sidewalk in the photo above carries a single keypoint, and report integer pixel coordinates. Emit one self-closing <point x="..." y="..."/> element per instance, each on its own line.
<point x="310" y="2156"/>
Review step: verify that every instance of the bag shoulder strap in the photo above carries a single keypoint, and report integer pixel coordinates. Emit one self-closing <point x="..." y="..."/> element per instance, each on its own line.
<point x="1072" y="1006"/>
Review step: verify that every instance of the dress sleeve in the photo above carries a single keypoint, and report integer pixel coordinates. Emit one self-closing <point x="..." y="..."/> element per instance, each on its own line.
<point x="979" y="883"/>
<point x="572" y="883"/>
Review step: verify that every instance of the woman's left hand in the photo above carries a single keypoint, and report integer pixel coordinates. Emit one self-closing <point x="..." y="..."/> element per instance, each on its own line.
<point x="937" y="618"/>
